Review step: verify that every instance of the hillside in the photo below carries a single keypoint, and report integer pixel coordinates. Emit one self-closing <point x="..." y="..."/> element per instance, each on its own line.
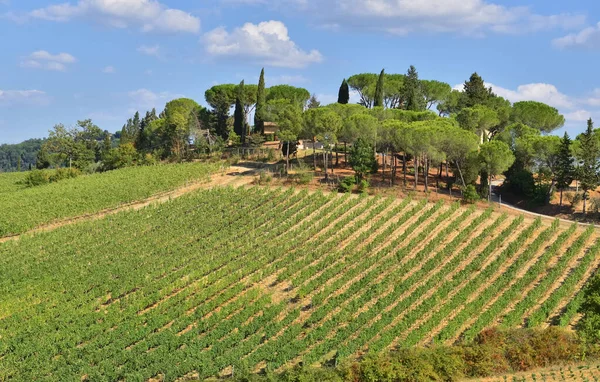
<point x="261" y="278"/>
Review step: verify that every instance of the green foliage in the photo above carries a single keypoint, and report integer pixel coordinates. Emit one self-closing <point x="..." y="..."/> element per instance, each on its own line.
<point x="537" y="115"/>
<point x="379" y="90"/>
<point x="347" y="184"/>
<point x="239" y="124"/>
<point x="479" y="120"/>
<point x="589" y="325"/>
<point x="362" y="158"/>
<point x="435" y="92"/>
<point x="123" y="156"/>
<point x="297" y="96"/>
<point x="364" y="84"/>
<point x="470" y="194"/>
<point x="590" y="152"/>
<point x="344" y="93"/>
<point x="412" y="91"/>
<point x="27" y="152"/>
<point x="261" y="100"/>
<point x="565" y="171"/>
<point x="474" y="92"/>
<point x="36" y="178"/>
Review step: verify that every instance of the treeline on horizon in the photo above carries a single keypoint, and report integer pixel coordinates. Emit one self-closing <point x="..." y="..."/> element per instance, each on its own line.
<point x="475" y="132"/>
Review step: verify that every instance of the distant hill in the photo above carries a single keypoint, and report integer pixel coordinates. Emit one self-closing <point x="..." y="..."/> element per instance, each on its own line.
<point x="27" y="151"/>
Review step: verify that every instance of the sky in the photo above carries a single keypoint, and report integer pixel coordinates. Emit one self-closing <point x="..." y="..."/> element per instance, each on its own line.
<point x="64" y="61"/>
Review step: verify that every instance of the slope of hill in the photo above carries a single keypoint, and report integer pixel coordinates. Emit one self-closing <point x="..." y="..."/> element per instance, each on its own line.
<point x="22" y="209"/>
<point x="270" y="278"/>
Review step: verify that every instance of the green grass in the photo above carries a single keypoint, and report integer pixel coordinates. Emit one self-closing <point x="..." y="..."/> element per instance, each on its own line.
<point x="254" y="277"/>
<point x="22" y="209"/>
<point x="9" y="181"/>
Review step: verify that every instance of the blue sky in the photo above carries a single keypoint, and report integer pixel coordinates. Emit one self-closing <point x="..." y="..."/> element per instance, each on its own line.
<point x="104" y="59"/>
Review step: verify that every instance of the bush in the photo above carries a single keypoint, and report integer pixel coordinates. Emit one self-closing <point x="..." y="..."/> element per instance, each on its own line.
<point x="347" y="184"/>
<point x="305" y="177"/>
<point x="574" y="198"/>
<point x="470" y="194"/>
<point x="363" y="185"/>
<point x="264" y="178"/>
<point x="64" y="173"/>
<point x="37" y="178"/>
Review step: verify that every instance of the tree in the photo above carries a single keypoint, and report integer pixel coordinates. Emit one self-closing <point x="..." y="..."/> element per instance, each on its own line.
<point x="359" y="126"/>
<point x="322" y="125"/>
<point x="479" y="120"/>
<point x="298" y="96"/>
<point x="589" y="325"/>
<point x="362" y="158"/>
<point x="364" y="84"/>
<point x="565" y="170"/>
<point x="288" y="117"/>
<point x="458" y="144"/>
<point x="496" y="157"/>
<point x="239" y="124"/>
<point x="450" y="104"/>
<point x="475" y="92"/>
<point x="379" y="91"/>
<point x="435" y="92"/>
<point x="259" y="121"/>
<point x="344" y="93"/>
<point x="589" y="156"/>
<point x="537" y="115"/>
<point x="412" y="92"/>
<point x="392" y="90"/>
<point x="313" y="102"/>
<point x="176" y="130"/>
<point x="221" y="98"/>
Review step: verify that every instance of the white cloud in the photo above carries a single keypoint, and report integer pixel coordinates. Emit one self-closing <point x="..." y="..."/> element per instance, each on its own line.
<point x="144" y="99"/>
<point x="286" y="79"/>
<point x="148" y="15"/>
<point x="578" y="116"/>
<point x="267" y="43"/>
<point x="540" y="92"/>
<point x="109" y="70"/>
<point x="15" y="97"/>
<point x="401" y="17"/>
<point x="586" y="38"/>
<point x="42" y="59"/>
<point x="153" y="50"/>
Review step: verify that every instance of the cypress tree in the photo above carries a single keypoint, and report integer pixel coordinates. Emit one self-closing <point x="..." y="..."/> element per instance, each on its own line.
<point x="378" y="101"/>
<point x="259" y="123"/>
<point x="412" y="91"/>
<point x="475" y="92"/>
<point x="565" y="169"/>
<point x="344" y="93"/>
<point x="239" y="125"/>
<point x="589" y="156"/>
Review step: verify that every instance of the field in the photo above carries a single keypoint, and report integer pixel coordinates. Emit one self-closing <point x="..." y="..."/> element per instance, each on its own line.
<point x="22" y="209"/>
<point x="258" y="278"/>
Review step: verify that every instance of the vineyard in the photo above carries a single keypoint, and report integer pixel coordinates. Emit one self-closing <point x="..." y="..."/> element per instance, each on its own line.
<point x="581" y="373"/>
<point x="22" y="209"/>
<point x="256" y="278"/>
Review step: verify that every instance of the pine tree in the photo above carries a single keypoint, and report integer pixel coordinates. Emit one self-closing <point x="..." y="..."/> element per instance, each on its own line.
<point x="313" y="102"/>
<point x="412" y="92"/>
<point x="378" y="101"/>
<point x="239" y="125"/>
<point x="565" y="170"/>
<point x="344" y="93"/>
<point x="589" y="156"/>
<point x="259" y="123"/>
<point x="475" y="92"/>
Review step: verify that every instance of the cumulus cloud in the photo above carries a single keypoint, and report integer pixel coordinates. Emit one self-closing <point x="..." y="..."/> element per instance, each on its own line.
<point x="144" y="99"/>
<point x="42" y="59"/>
<point x="587" y="38"/>
<point x="16" y="97"/>
<point x="401" y="17"/>
<point x="540" y="92"/>
<point x="267" y="43"/>
<point x="148" y="15"/>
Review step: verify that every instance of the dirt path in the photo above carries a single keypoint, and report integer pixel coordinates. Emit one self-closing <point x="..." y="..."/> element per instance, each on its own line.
<point x="234" y="176"/>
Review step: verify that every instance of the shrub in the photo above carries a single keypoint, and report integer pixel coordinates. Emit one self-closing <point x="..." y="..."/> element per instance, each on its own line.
<point x="595" y="205"/>
<point x="574" y="198"/>
<point x="64" y="173"/>
<point x="470" y="194"/>
<point x="305" y="177"/>
<point x="347" y="184"/>
<point x="36" y="178"/>
<point x="363" y="185"/>
<point x="264" y="178"/>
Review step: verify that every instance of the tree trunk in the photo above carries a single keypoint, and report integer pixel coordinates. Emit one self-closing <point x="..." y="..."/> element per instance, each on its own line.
<point x="345" y="154"/>
<point x="337" y="157"/>
<point x="383" y="172"/>
<point x="331" y="155"/>
<point x="287" y="159"/>
<point x="404" y="166"/>
<point x="393" y="168"/>
<point x="447" y="176"/>
<point x="490" y="190"/>
<point x="561" y="195"/>
<point x="315" y="152"/>
<point x="426" y="173"/>
<point x="441" y="170"/>
<point x="325" y="165"/>
<point x="416" y="171"/>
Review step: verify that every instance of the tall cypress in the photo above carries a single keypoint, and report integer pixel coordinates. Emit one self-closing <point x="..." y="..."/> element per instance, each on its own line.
<point x="259" y="122"/>
<point x="378" y="101"/>
<point x="412" y="91"/>
<point x="239" y="118"/>
<point x="344" y="93"/>
<point x="589" y="156"/>
<point x="565" y="170"/>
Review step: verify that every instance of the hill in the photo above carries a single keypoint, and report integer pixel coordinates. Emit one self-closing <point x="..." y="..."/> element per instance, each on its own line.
<point x="260" y="278"/>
